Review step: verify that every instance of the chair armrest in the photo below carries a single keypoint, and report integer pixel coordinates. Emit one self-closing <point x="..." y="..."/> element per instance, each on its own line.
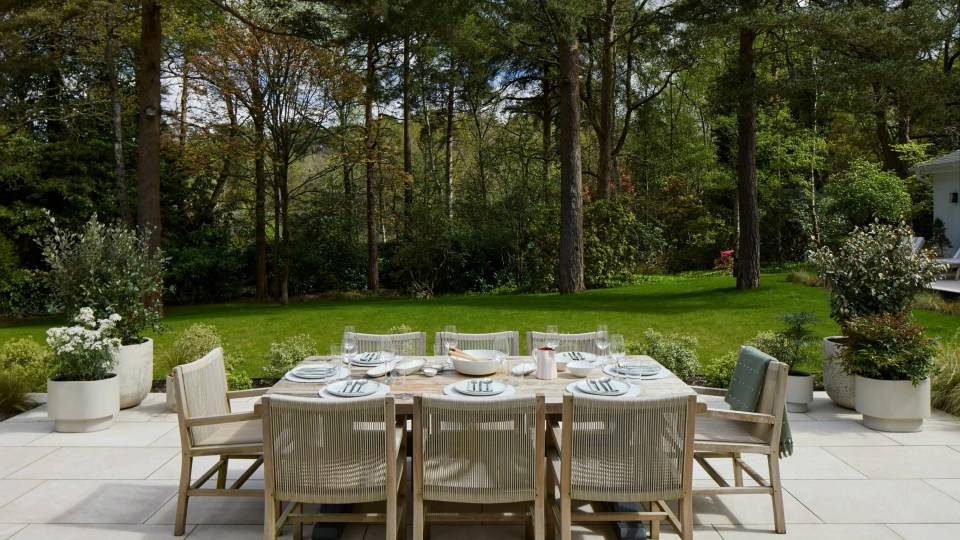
<point x="250" y="392"/>
<point x="708" y="391"/>
<point x="222" y="419"/>
<point x="739" y="416"/>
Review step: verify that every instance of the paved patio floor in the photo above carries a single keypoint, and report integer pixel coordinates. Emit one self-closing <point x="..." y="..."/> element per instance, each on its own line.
<point x="844" y="482"/>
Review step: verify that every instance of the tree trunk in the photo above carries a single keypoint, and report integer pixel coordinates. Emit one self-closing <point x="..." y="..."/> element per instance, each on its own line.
<point x="284" y="179"/>
<point x="605" y="170"/>
<point x="448" y="143"/>
<point x="546" y="122"/>
<point x="148" y="124"/>
<point x="748" y="250"/>
<point x="260" y="189"/>
<point x="116" y="120"/>
<point x="184" y="95"/>
<point x="571" y="197"/>
<point x="373" y="277"/>
<point x="407" y="145"/>
<point x="277" y="249"/>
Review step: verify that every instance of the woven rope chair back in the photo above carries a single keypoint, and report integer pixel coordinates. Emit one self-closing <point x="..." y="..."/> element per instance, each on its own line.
<point x="585" y="342"/>
<point x="479" y="451"/>
<point x="205" y="392"/>
<point x="408" y="344"/>
<point x="479" y="341"/>
<point x="628" y="449"/>
<point x="325" y="451"/>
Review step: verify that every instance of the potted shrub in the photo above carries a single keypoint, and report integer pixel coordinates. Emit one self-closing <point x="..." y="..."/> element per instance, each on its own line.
<point x="892" y="361"/>
<point x="83" y="395"/>
<point x="112" y="270"/>
<point x="874" y="271"/>
<point x="793" y="346"/>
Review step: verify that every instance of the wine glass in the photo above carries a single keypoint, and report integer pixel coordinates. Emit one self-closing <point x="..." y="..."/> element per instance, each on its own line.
<point x="553" y="336"/>
<point x="349" y="342"/>
<point x="603" y="339"/>
<point x="618" y="351"/>
<point x="390" y="362"/>
<point x="449" y="339"/>
<point x="502" y="350"/>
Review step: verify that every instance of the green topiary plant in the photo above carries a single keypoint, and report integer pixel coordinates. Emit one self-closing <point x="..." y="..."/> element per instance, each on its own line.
<point x="109" y="268"/>
<point x="674" y="351"/>
<point x="191" y="344"/>
<point x="874" y="271"/>
<point x="285" y="355"/>
<point x="887" y="346"/>
<point x="28" y="361"/>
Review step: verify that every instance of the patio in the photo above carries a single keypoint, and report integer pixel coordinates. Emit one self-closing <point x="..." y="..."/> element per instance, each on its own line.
<point x="843" y="482"/>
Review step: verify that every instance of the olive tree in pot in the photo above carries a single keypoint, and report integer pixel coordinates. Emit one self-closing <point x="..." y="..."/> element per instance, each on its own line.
<point x="892" y="361"/>
<point x="111" y="269"/>
<point x="874" y="271"/>
<point x="82" y="394"/>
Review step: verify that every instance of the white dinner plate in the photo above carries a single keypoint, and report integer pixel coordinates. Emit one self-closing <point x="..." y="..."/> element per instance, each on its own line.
<point x="370" y="359"/>
<point x="611" y="370"/>
<point x="314" y="371"/>
<point x="574" y="388"/>
<point x="638" y="368"/>
<point x="480" y="387"/>
<point x="353" y="388"/>
<point x="595" y="387"/>
<point x="382" y="390"/>
<point x="449" y="390"/>
<point x="344" y="372"/>
<point x="578" y="357"/>
<point x="524" y="369"/>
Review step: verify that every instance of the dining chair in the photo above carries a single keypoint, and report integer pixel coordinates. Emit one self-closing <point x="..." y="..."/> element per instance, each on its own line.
<point x="479" y="341"/>
<point x="208" y="427"/>
<point x="585" y="342"/>
<point x="728" y="434"/>
<point x="483" y="451"/>
<point x="637" y="450"/>
<point x="320" y="451"/>
<point x="408" y="344"/>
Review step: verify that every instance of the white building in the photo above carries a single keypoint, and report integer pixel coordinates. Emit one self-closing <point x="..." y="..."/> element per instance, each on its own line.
<point x="943" y="174"/>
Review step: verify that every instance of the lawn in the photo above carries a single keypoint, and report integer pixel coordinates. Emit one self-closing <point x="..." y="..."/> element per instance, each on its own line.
<point x="707" y="308"/>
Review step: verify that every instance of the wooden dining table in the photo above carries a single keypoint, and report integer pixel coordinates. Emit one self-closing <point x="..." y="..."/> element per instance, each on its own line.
<point x="415" y="384"/>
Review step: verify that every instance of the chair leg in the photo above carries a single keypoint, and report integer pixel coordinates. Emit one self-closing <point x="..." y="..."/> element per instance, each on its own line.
<point x="418" y="516"/>
<point x="654" y="523"/>
<point x="779" y="521"/>
<point x="180" y="523"/>
<point x="539" y="524"/>
<point x="269" y="519"/>
<point x="686" y="517"/>
<point x="566" y="519"/>
<point x="391" y="519"/>
<point x="297" y="525"/>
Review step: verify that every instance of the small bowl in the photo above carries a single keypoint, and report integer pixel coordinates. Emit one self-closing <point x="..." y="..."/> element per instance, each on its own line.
<point x="476" y="368"/>
<point x="580" y="368"/>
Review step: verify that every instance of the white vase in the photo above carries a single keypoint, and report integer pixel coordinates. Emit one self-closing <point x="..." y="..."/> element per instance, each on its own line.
<point x="82" y="406"/>
<point x="799" y="392"/>
<point x="840" y="387"/>
<point x="133" y="364"/>
<point x="896" y="406"/>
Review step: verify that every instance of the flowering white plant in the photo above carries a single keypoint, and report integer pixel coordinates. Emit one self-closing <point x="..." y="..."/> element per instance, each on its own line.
<point x="85" y="350"/>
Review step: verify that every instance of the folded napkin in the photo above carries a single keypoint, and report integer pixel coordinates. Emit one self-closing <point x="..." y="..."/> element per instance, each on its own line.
<point x="745" y="387"/>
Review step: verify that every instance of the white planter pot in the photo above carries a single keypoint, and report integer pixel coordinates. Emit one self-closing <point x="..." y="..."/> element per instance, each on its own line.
<point x="840" y="387"/>
<point x="133" y="364"/>
<point x="171" y="399"/>
<point x="799" y="392"/>
<point x="82" y="406"/>
<point x="897" y="406"/>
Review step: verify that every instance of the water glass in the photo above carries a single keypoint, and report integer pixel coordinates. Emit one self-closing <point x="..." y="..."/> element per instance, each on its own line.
<point x="502" y="350"/>
<point x="449" y="340"/>
<point x="336" y="357"/>
<point x="553" y="336"/>
<point x="349" y="342"/>
<point x="618" y="351"/>
<point x="603" y="339"/>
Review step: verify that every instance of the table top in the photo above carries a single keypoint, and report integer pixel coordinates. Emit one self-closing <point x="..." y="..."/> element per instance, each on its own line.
<point x="419" y="384"/>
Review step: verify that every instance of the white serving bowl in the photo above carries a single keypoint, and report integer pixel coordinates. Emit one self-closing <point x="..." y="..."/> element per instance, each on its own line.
<point x="487" y="366"/>
<point x="580" y="368"/>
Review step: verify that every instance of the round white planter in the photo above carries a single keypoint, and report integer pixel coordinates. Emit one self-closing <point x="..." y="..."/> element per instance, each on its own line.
<point x="897" y="406"/>
<point x="82" y="406"/>
<point x="133" y="364"/>
<point x="840" y="387"/>
<point x="799" y="392"/>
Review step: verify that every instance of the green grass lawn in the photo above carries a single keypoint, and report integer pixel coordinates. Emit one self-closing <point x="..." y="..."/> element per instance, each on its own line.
<point x="707" y="308"/>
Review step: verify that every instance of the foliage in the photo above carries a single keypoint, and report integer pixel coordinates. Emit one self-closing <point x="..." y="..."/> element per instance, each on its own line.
<point x="874" y="271"/>
<point x="237" y="378"/>
<point x="192" y="344"/>
<point x="110" y="269"/>
<point x="25" y="294"/>
<point x="945" y="384"/>
<point x="938" y="236"/>
<point x="285" y="355"/>
<point x="13" y="390"/>
<point x="887" y="346"/>
<point x="866" y="194"/>
<point x="84" y="351"/>
<point x="801" y="277"/>
<point x="674" y="351"/>
<point x="28" y="361"/>
<point x="719" y="371"/>
<point x="617" y="245"/>
<point x="204" y="267"/>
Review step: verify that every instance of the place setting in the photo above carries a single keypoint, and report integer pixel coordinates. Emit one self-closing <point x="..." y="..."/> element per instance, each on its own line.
<point x="354" y="388"/>
<point x="479" y="389"/>
<point x="316" y="372"/>
<point x="636" y="370"/>
<point x="603" y="387"/>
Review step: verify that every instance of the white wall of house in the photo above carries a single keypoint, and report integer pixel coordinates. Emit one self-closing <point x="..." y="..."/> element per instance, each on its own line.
<point x="944" y="175"/>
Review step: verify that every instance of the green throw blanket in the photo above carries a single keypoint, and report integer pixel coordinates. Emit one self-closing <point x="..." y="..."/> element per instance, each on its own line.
<point x="745" y="387"/>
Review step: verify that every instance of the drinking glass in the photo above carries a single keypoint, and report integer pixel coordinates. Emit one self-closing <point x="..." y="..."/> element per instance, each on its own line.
<point x="449" y="340"/>
<point x="603" y="339"/>
<point x="390" y="361"/>
<point x="349" y="342"/>
<point x="336" y="356"/>
<point x="501" y="348"/>
<point x="553" y="336"/>
<point x="618" y="351"/>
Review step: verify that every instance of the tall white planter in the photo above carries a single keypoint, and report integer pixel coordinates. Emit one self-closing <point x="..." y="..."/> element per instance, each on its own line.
<point x="133" y="364"/>
<point x="82" y="406"/>
<point x="840" y="387"/>
<point x="896" y="406"/>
